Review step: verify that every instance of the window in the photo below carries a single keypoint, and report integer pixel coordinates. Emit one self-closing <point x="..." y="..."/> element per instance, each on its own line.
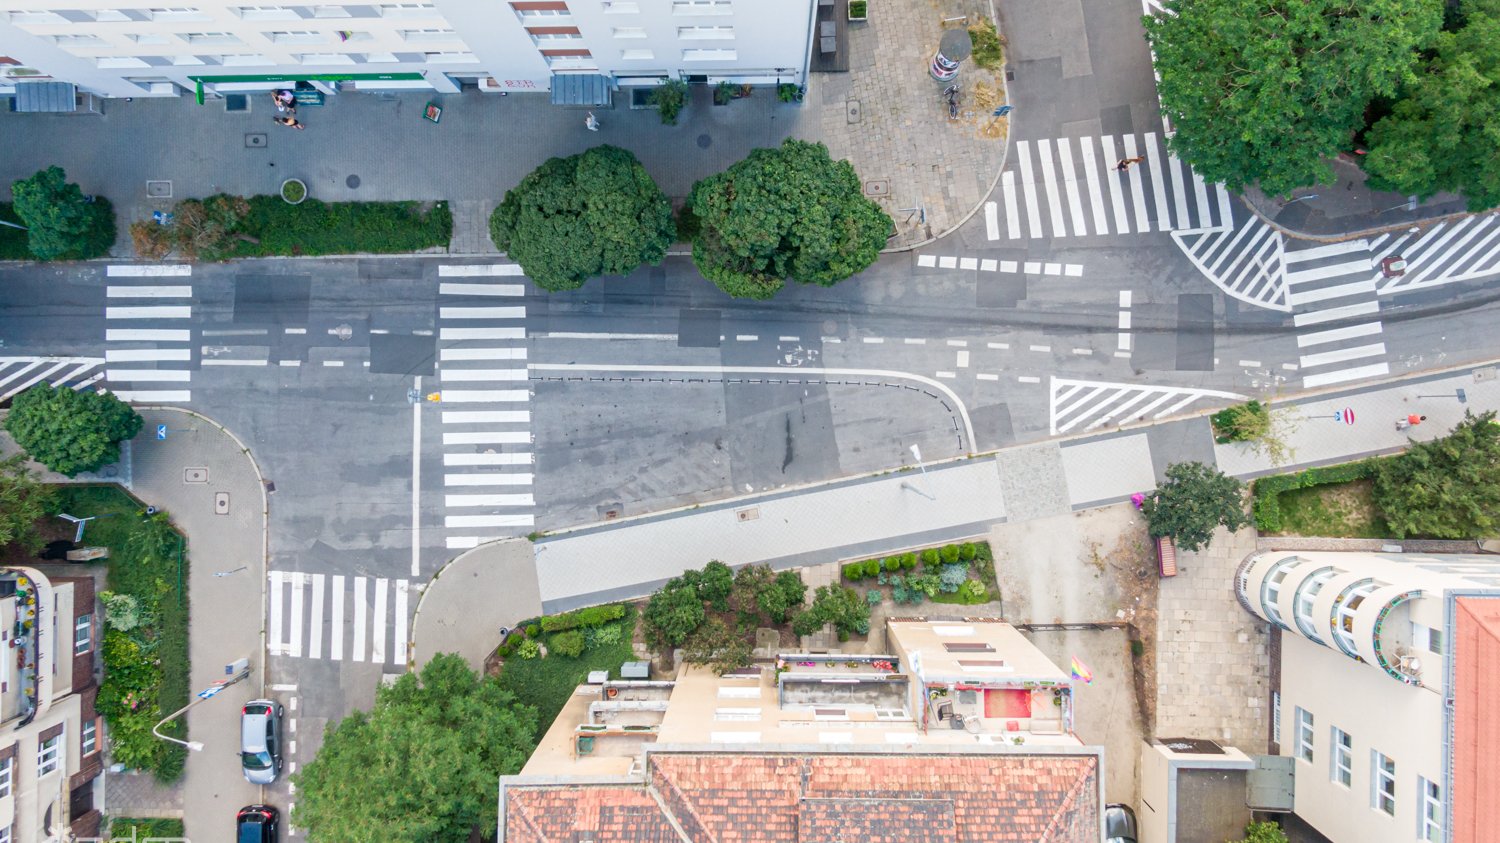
<point x="251" y="60"/>
<point x="1427" y="638"/>
<point x="1344" y="608"/>
<point x="553" y="39"/>
<point x="629" y="32"/>
<point x="5" y="833"/>
<point x="331" y="12"/>
<point x="267" y="13"/>
<point x="83" y="634"/>
<point x="701" y="7"/>
<point x="1304" y="735"/>
<point x="717" y="33"/>
<point x="119" y="63"/>
<point x="1302" y="603"/>
<point x="621" y="7"/>
<point x="967" y="647"/>
<point x="733" y="713"/>
<point x="5" y="771"/>
<point x="408" y="10"/>
<point x="79" y="41"/>
<point x="36" y="17"/>
<point x="709" y="55"/>
<point x="381" y="58"/>
<point x="109" y="15"/>
<point x="210" y="38"/>
<point x="90" y="737"/>
<point x="1270" y="589"/>
<point x="426" y="35"/>
<point x="46" y="756"/>
<point x="1430" y="811"/>
<point x="150" y="40"/>
<point x="1382" y="783"/>
<point x="1276" y="717"/>
<point x="324" y="58"/>
<point x="637" y="55"/>
<point x="451" y="58"/>
<point x="177" y="14"/>
<point x="303" y="37"/>
<point x="1341" y="755"/>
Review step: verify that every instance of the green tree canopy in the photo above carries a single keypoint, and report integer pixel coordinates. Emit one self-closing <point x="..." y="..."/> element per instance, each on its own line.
<point x="835" y="604"/>
<point x="23" y="501"/>
<point x="1195" y="501"/>
<point x="71" y="430"/>
<point x="789" y="212"/>
<point x="1266" y="90"/>
<point x="1444" y="133"/>
<point x="595" y="213"/>
<point x="421" y="766"/>
<point x="672" y="614"/>
<point x="61" y="224"/>
<point x="1446" y="488"/>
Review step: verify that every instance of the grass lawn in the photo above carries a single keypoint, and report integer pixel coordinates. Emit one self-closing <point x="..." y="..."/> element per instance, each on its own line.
<point x="548" y="682"/>
<point x="336" y="228"/>
<point x="144" y="562"/>
<point x="1338" y="510"/>
<point x="143" y="828"/>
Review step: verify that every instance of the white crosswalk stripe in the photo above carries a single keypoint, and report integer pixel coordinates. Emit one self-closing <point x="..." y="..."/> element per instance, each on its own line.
<point x="152" y="336"/>
<point x="307" y="616"/>
<point x="487" y="445"/>
<point x="1327" y="284"/>
<point x="18" y="374"/>
<point x="1467" y="249"/>
<point x="1245" y="263"/>
<point x="1158" y="192"/>
<point x="1087" y="405"/>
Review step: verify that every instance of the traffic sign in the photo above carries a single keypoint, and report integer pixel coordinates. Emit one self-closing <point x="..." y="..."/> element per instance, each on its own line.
<point x="161" y="431"/>
<point x="210" y="691"/>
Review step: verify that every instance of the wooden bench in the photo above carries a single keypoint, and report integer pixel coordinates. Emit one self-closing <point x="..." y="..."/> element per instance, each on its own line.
<point x="1166" y="557"/>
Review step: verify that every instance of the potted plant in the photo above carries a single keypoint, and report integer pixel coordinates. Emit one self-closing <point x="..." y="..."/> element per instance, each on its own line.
<point x="293" y="191"/>
<point x="669" y="97"/>
<point x="858" y="10"/>
<point x="787" y="92"/>
<point x="723" y="93"/>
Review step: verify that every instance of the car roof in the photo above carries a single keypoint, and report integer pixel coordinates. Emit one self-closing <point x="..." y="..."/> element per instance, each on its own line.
<point x="253" y="732"/>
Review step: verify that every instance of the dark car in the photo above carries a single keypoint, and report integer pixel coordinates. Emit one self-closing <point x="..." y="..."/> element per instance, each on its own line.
<point x="1119" y="824"/>
<point x="257" y="824"/>
<point x="260" y="741"/>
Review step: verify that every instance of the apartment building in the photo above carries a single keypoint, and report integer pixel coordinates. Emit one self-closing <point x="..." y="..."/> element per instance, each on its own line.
<point x="50" y="737"/>
<point x="580" y="50"/>
<point x="1387" y="689"/>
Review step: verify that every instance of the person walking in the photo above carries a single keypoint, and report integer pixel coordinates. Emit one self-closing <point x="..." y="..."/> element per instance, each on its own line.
<point x="591" y="122"/>
<point x="1410" y="421"/>
<point x="285" y="101"/>
<point x="290" y="121"/>
<point x="1125" y="163"/>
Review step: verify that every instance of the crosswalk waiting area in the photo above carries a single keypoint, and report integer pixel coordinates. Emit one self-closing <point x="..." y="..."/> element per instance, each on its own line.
<point x="148" y="348"/>
<point x="337" y="618"/>
<point x="1071" y="187"/>
<point x="485" y="398"/>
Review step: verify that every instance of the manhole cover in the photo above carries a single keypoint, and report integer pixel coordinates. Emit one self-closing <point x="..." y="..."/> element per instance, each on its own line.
<point x="159" y="189"/>
<point x="195" y="475"/>
<point x="221" y="503"/>
<point x="704" y="141"/>
<point x="353" y="182"/>
<point x="878" y="187"/>
<point x="255" y="140"/>
<point x="750" y="514"/>
<point x="851" y="111"/>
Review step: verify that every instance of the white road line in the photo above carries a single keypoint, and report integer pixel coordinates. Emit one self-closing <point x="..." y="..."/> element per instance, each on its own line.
<point x="315" y="626"/>
<point x="274" y="644"/>
<point x="1052" y="268"/>
<point x="927" y="260"/>
<point x="1137" y="190"/>
<point x="1125" y="298"/>
<point x="334" y="363"/>
<point x="1116" y="187"/>
<point x="1345" y="375"/>
<point x="1336" y="334"/>
<point x="1073" y="270"/>
<point x="166" y="396"/>
<point x="291" y="363"/>
<point x="958" y="343"/>
<point x="746" y="337"/>
<point x="496" y="437"/>
<point x="1156" y="157"/>
<point x="1049" y="180"/>
<point x="377" y="636"/>
<point x="947" y="375"/>
<point x="1096" y="195"/>
<point x="488" y="479"/>
<point x="482" y="374"/>
<point x="873" y="340"/>
<point x="992" y="220"/>
<point x="1342" y="355"/>
<point x="1083" y="351"/>
<point x="478" y="269"/>
<point x="465" y="542"/>
<point x="987" y="265"/>
<point x="1028" y="185"/>
<point x="153" y="292"/>
<point x="963" y="360"/>
<point x="486" y="416"/>
<point x="1328" y="250"/>
<point x="518" y="353"/>
<point x="987" y="377"/>
<point x="914" y="341"/>
<point x="1179" y="193"/>
<point x="149" y="312"/>
<point x="146" y="335"/>
<point x="1200" y="193"/>
<point x="399" y="639"/>
<point x="948" y="262"/>
<point x="294" y="646"/>
<point x="1358" y="288"/>
<point x="1029" y="379"/>
<point x="360" y="627"/>
<point x="488" y="521"/>
<point x="1291" y="367"/>
<point x="1008" y="266"/>
<point x="295" y="331"/>
<point x="484" y="396"/>
<point x="1318" y="273"/>
<point x="1226" y="210"/>
<point x="585" y="335"/>
<point x="1333" y="314"/>
<point x="336" y="618"/>
<point x="453" y="289"/>
<point x="1012" y="212"/>
<point x="283" y="689"/>
<point x="229" y="361"/>
<point x="1070" y="186"/>
<point x="486" y="459"/>
<point x="1124" y="321"/>
<point x="147" y="374"/>
<point x="968" y="263"/>
<point x="1250" y="364"/>
<point x="483" y="334"/>
<point x="452" y="501"/>
<point x="1001" y="346"/>
<point x="789" y="339"/>
<point x="1041" y="348"/>
<point x="518" y="312"/>
<point x="150" y="270"/>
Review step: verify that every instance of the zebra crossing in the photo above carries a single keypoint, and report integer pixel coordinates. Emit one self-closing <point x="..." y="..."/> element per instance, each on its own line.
<point x="1459" y="250"/>
<point x="147" y="339"/>
<point x="18" y="374"/>
<point x="485" y="397"/>
<point x="1334" y="297"/>
<point x="337" y="617"/>
<point x="1087" y="405"/>
<point x="1049" y="191"/>
<point x="1246" y="262"/>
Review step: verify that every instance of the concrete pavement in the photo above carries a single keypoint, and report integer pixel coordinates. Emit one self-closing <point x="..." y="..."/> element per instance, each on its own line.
<point x="466" y="603"/>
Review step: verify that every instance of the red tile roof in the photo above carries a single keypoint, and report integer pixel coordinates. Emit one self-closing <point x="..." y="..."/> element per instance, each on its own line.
<point x="1476" y="720"/>
<point x="724" y="797"/>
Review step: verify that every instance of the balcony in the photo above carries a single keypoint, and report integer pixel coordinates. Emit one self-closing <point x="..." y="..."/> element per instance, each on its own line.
<point x="806" y="680"/>
<point x="24" y="596"/>
<point x="1000" y="710"/>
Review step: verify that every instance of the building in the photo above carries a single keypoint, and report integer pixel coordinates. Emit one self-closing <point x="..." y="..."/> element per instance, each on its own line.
<point x="581" y="50"/>
<point x="935" y="740"/>
<point x="50" y="736"/>
<point x="1387" y="689"/>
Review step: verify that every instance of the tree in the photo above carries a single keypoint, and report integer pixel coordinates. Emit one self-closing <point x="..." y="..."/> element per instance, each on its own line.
<point x="671" y="615"/>
<point x="1263" y="833"/>
<point x="1441" y="135"/>
<point x="71" y="430"/>
<point x="1266" y="90"/>
<point x="717" y="646"/>
<point x="1447" y="488"/>
<point x="61" y="224"/>
<point x="785" y="593"/>
<point x="789" y="212"/>
<point x="715" y="584"/>
<point x="596" y="213"/>
<point x="1194" y="502"/>
<point x="840" y="606"/>
<point x="749" y="583"/>
<point x="24" y="500"/>
<point x="421" y="765"/>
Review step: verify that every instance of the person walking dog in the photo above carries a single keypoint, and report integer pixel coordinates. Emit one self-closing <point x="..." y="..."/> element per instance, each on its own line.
<point x="290" y="121"/>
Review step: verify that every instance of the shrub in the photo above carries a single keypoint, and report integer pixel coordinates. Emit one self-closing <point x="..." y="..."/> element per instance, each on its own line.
<point x="806" y="623"/>
<point x="908" y="561"/>
<point x="12" y="240"/>
<point x="873" y="597"/>
<point x="948" y="553"/>
<point x="973" y="591"/>
<point x="716" y="645"/>
<point x="854" y="571"/>
<point x="883" y="579"/>
<point x="600" y="636"/>
<point x="781" y="595"/>
<point x="669" y="97"/>
<point x="209" y="228"/>
<point x="505" y="651"/>
<point x="723" y="93"/>
<point x="788" y="92"/>
<point x="927" y="584"/>
<point x="714" y="585"/>
<point x="293" y="191"/>
<point x="71" y="431"/>
<point x="987" y="43"/>
<point x="872" y="567"/>
<point x="1241" y="422"/>
<point x="967" y="551"/>
<point x="1267" y="505"/>
<point x="671" y="615"/>
<point x="950" y="577"/>
<point x="123" y="611"/>
<point x="899" y="594"/>
<point x="143" y="828"/>
<point x="529" y="649"/>
<point x="150" y="239"/>
<point x="339" y="228"/>
<point x="930" y="557"/>
<point x="1137" y="647"/>
<point x="568" y="643"/>
<point x="891" y="563"/>
<point x="532" y="630"/>
<point x="591" y="616"/>
<point x="62" y="223"/>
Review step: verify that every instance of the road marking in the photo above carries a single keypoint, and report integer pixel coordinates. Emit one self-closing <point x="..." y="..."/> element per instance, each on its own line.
<point x="1049" y="180"/>
<point x="475" y="269"/>
<point x="1336" y="334"/>
<point x="968" y="263"/>
<point x="1070" y="185"/>
<point x="150" y="270"/>
<point x="377" y="637"/>
<point x="831" y="340"/>
<point x="518" y="312"/>
<point x="496" y="437"/>
<point x="1083" y="351"/>
<point x="488" y="334"/>
<point x="789" y="339"/>
<point x="360" y="611"/>
<point x="482" y="374"/>
<point x="399" y="656"/>
<point x="127" y="292"/>
<point x="416" y="481"/>
<point x="484" y="396"/>
<point x="1052" y="268"/>
<point x="482" y="354"/>
<point x="296" y="331"/>
<point x="486" y="417"/>
<point x="1328" y="250"/>
<point x="589" y="335"/>
<point x="963" y="360"/>
<point x="488" y="479"/>
<point x="294" y="648"/>
<point x="948" y="262"/>
<point x="1029" y="379"/>
<point x="1250" y="364"/>
<point x="157" y="397"/>
<point x="1137" y="190"/>
<point x="949" y="375"/>
<point x="282" y="689"/>
<point x="1342" y="355"/>
<point x="1319" y="273"/>
<point x="146" y="335"/>
<point x="1373" y="370"/>
<point x="453" y="289"/>
<point x="488" y="500"/>
<point x="1179" y="192"/>
<point x="1012" y="213"/>
<point x="488" y="521"/>
<point x="958" y="343"/>
<point x="1028" y="184"/>
<point x="1073" y="270"/>
<point x="927" y="260"/>
<point x="222" y="361"/>
<point x="147" y="374"/>
<point x="248" y="332"/>
<point x="149" y="312"/>
<point x="274" y="644"/>
<point x="487" y="459"/>
<point x="291" y="725"/>
<point x="1291" y="367"/>
<point x="130" y="355"/>
<point x="1124" y="298"/>
<point x="1033" y="267"/>
<point x="1124" y="320"/>
<point x="1116" y="187"/>
<point x="1333" y="314"/>
<point x="333" y="362"/>
<point x="988" y="265"/>
<point x="336" y="612"/>
<point x="1001" y="346"/>
<point x="987" y="377"/>
<point x="1155" y="155"/>
<point x="291" y="362"/>
<point x="746" y="337"/>
<point x="1041" y="348"/>
<point x="1358" y="288"/>
<point x="992" y="220"/>
<point x="315" y="628"/>
<point x="1096" y="196"/>
<point x="914" y="341"/>
<point x="873" y="340"/>
<point x="1200" y="193"/>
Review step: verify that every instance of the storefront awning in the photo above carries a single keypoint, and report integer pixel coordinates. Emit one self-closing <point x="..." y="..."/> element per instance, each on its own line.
<point x="587" y="89"/>
<point x="51" y="97"/>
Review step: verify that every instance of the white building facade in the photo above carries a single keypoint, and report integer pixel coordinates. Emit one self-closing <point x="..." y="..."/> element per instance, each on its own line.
<point x="1378" y="658"/>
<point x="114" y="49"/>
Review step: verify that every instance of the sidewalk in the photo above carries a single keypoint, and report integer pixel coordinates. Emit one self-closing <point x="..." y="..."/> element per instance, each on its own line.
<point x="465" y="604"/>
<point x="1347" y="208"/>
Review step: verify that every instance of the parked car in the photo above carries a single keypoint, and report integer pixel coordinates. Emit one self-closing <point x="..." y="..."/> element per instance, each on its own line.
<point x="260" y="741"/>
<point x="1119" y="824"/>
<point x="257" y="824"/>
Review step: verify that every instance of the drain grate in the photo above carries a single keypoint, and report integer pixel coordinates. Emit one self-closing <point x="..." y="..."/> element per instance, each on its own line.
<point x="159" y="189"/>
<point x="255" y="140"/>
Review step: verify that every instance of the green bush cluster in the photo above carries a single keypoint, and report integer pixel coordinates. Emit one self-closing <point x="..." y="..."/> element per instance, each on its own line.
<point x="144" y="828"/>
<point x="1267" y="506"/>
<point x="341" y="228"/>
<point x="1241" y="423"/>
<point x="591" y="616"/>
<point x="930" y="558"/>
<point x="568" y="643"/>
<point x="987" y="51"/>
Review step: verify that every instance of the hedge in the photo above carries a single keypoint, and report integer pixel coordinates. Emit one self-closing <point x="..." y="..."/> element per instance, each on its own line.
<point x="341" y="228"/>
<point x="931" y="558"/>
<point x="1267" y="506"/>
<point x="591" y="616"/>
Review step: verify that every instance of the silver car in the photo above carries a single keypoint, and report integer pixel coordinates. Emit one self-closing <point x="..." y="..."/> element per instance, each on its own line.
<point x="260" y="741"/>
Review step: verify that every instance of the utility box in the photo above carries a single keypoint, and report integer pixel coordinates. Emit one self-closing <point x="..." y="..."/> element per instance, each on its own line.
<point x="635" y="670"/>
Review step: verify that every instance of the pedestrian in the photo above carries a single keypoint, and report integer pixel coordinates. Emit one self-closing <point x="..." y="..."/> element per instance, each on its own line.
<point x="285" y="100"/>
<point x="1126" y="162"/>
<point x="591" y="122"/>
<point x="1410" y="421"/>
<point x="289" y="121"/>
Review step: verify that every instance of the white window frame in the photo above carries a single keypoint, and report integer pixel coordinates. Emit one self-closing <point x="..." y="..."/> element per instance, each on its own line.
<point x="702" y="7"/>
<point x="550" y="39"/>
<point x="5" y="832"/>
<point x="89" y="736"/>
<point x="47" y="756"/>
<point x="1304" y="598"/>
<point x="1304" y="734"/>
<point x="628" y="32"/>
<point x="643" y="54"/>
<point x="1270" y="588"/>
<point x="408" y="10"/>
<point x="1340" y="757"/>
<point x="709" y="55"/>
<point x="266" y="13"/>
<point x="1276" y="717"/>
<point x="1429" y="810"/>
<point x="622" y="7"/>
<point x="84" y="625"/>
<point x="1382" y="783"/>
<point x="299" y="37"/>
<point x="1345" y="607"/>
<point x="705" y="33"/>
<point x="7" y="770"/>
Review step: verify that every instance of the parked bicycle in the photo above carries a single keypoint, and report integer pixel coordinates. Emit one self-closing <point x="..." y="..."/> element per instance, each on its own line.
<point x="951" y="94"/>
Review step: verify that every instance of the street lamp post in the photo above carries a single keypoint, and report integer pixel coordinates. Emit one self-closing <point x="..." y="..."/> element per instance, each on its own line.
<point x="917" y="452"/>
<point x="206" y="694"/>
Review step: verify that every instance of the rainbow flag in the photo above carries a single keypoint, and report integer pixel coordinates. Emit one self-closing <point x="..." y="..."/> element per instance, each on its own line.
<point x="1081" y="672"/>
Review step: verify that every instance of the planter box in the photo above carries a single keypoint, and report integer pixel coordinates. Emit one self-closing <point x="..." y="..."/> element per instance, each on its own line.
<point x="859" y="11"/>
